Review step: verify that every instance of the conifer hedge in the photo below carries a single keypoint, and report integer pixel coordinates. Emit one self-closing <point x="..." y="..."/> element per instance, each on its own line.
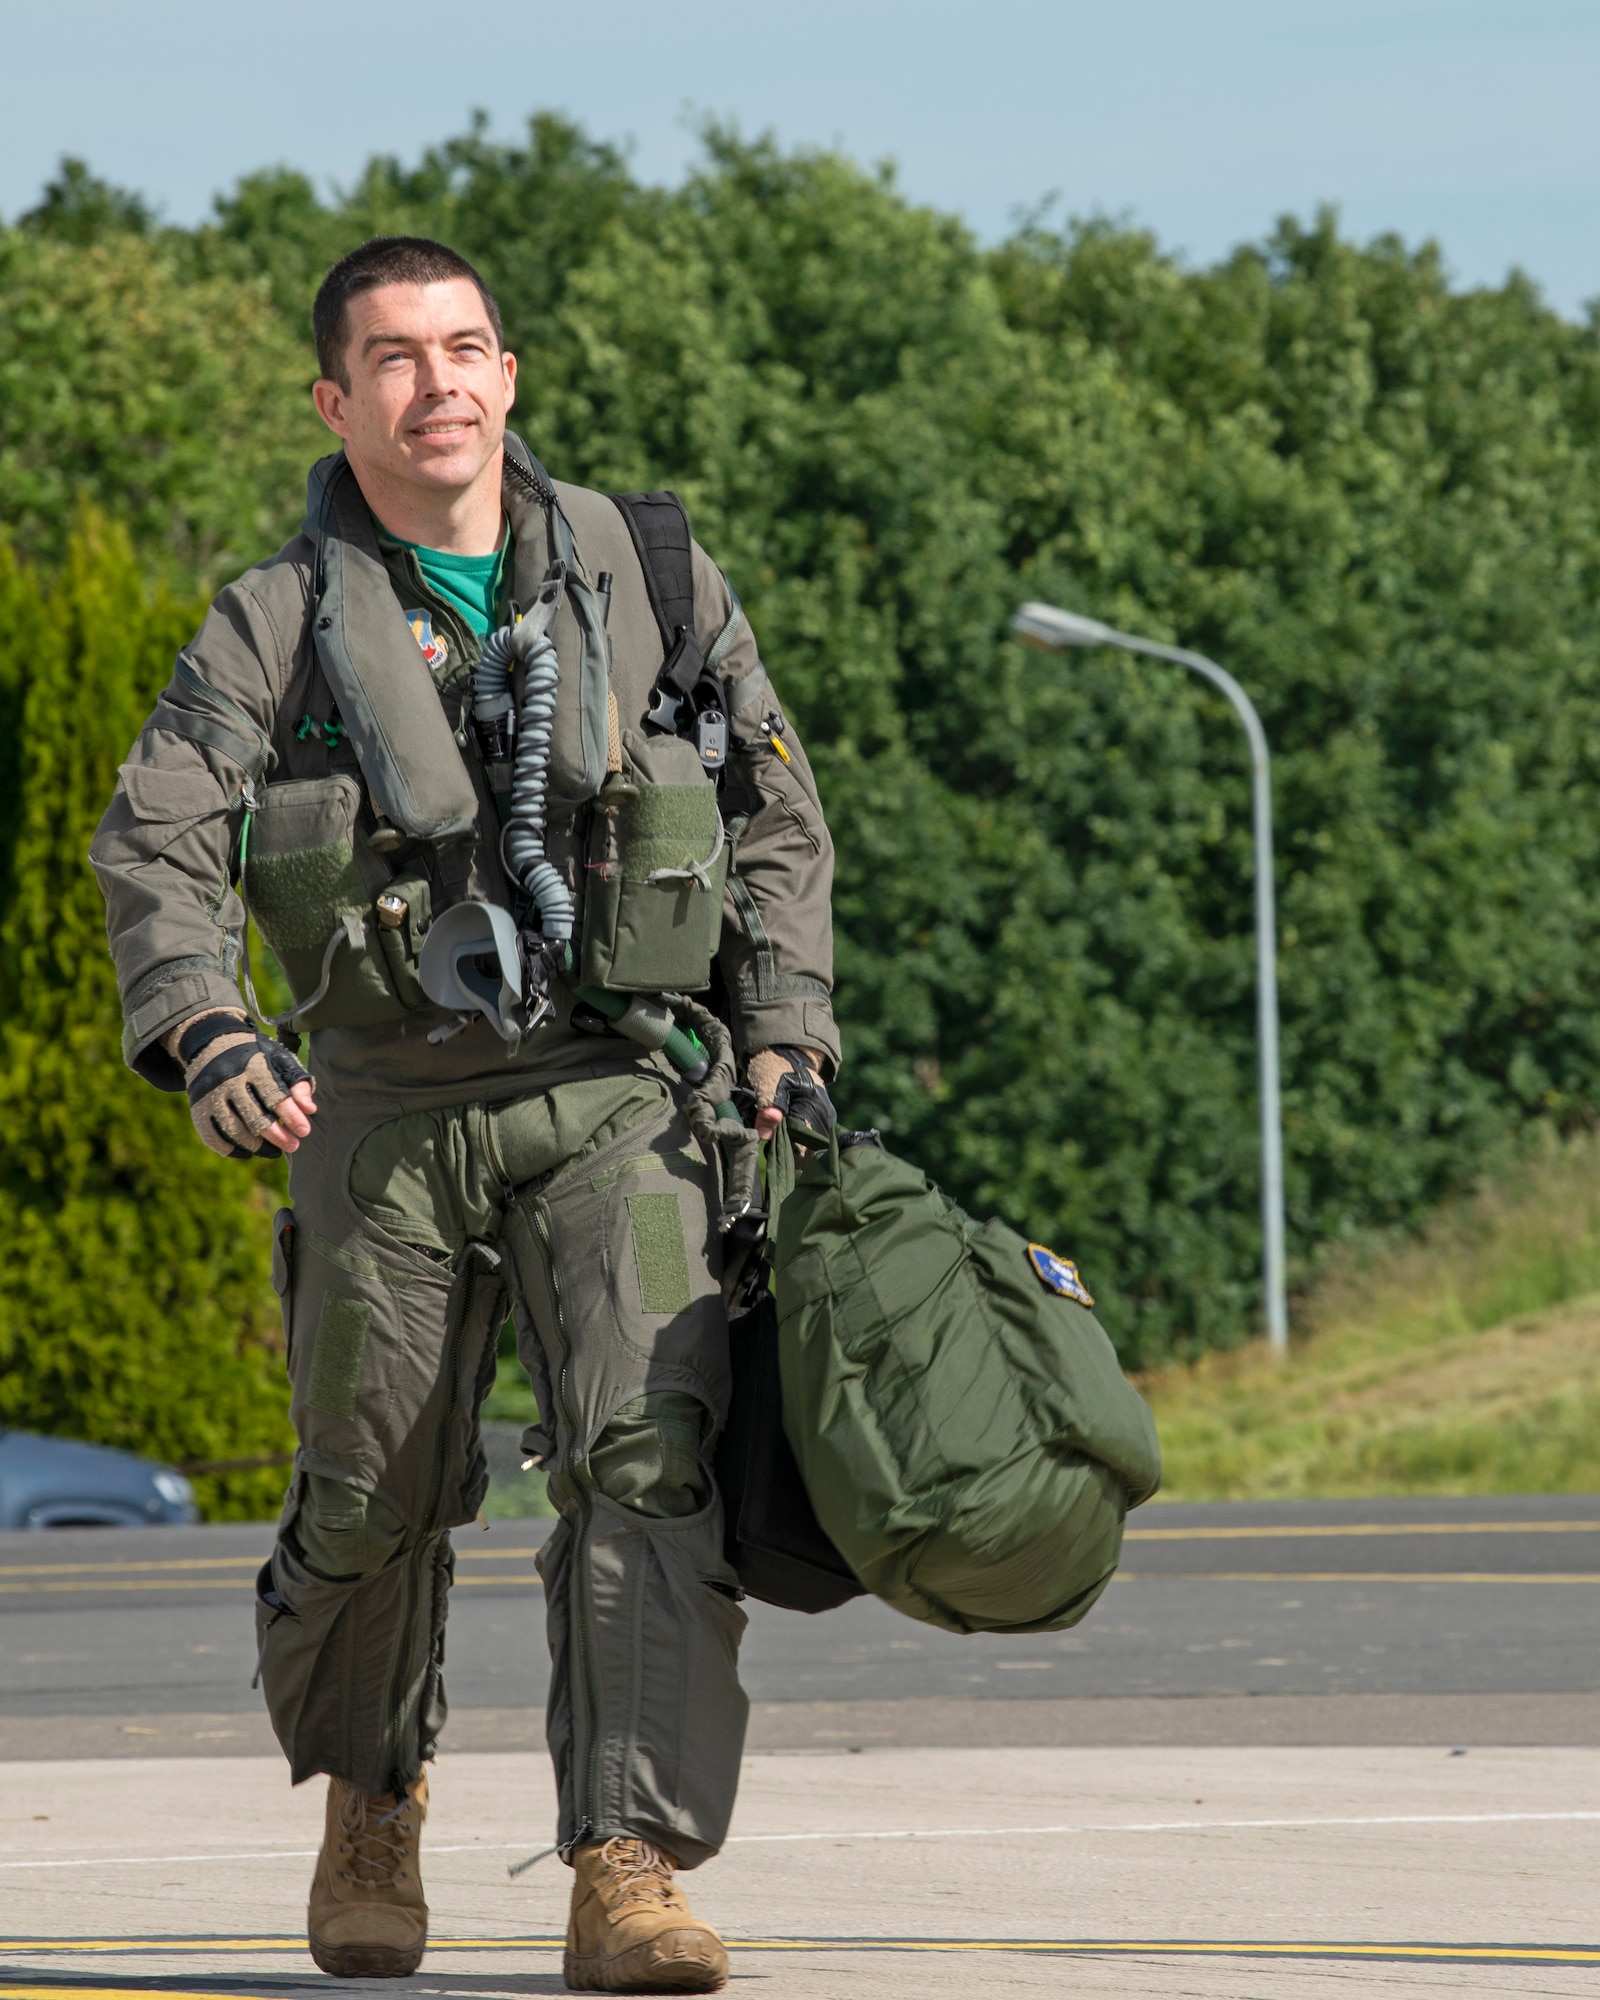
<point x="133" y="1304"/>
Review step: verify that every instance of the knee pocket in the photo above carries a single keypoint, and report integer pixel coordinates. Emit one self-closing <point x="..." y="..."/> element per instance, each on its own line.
<point x="651" y="1455"/>
<point x="342" y="1532"/>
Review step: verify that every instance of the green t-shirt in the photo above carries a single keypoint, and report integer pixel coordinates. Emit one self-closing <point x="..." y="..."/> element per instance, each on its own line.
<point x="468" y="584"/>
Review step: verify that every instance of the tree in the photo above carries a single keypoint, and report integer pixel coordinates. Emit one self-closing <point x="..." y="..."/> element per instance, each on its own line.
<point x="1376" y="499"/>
<point x="174" y="402"/>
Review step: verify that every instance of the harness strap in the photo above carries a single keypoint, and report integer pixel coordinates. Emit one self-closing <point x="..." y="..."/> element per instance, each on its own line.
<point x="725" y="638"/>
<point x="218" y="721"/>
<point x="659" y="528"/>
<point x="753" y="688"/>
<point x="452" y="867"/>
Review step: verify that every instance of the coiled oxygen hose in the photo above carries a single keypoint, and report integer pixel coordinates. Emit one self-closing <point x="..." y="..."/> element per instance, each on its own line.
<point x="523" y="735"/>
<point x="529" y="646"/>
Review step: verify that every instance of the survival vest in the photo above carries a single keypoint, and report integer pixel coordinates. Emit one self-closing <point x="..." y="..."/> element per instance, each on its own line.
<point x="346" y="873"/>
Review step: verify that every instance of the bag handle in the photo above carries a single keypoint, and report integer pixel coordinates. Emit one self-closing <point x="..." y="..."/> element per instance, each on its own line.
<point x="783" y="1169"/>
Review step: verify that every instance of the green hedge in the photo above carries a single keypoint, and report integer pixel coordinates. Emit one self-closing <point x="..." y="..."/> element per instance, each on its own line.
<point x="134" y="1308"/>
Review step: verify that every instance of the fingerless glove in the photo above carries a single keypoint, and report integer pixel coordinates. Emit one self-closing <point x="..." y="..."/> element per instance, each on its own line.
<point x="789" y="1080"/>
<point x="235" y="1078"/>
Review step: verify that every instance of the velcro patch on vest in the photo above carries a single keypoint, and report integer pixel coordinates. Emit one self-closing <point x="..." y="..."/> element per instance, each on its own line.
<point x="1058" y="1274"/>
<point x="435" y="647"/>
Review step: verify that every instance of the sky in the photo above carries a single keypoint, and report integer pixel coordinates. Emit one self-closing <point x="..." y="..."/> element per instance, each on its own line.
<point x="1469" y="121"/>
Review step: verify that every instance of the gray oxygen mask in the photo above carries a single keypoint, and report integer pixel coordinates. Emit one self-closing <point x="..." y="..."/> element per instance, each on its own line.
<point x="472" y="963"/>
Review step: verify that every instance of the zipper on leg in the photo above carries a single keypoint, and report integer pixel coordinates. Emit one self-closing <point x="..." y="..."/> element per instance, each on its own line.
<point x="587" y="1739"/>
<point x="461" y="1297"/>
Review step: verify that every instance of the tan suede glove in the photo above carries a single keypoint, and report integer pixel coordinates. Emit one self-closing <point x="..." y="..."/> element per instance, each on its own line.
<point x="249" y="1098"/>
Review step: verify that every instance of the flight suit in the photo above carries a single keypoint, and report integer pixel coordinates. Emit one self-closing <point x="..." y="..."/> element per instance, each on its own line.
<point x="449" y="1178"/>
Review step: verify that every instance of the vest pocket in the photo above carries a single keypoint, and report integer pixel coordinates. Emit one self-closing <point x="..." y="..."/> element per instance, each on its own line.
<point x="652" y="915"/>
<point x="306" y="878"/>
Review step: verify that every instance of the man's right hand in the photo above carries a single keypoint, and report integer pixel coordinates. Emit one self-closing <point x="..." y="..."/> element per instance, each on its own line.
<point x="780" y="1075"/>
<point x="249" y="1098"/>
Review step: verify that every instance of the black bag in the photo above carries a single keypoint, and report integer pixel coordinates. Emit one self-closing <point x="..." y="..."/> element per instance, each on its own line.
<point x="773" y="1538"/>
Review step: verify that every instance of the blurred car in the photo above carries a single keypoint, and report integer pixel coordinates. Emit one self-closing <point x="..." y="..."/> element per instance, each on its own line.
<point x="48" y="1482"/>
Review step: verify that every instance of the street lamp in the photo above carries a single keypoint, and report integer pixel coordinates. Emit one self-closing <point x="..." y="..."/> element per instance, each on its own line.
<point x="1046" y="626"/>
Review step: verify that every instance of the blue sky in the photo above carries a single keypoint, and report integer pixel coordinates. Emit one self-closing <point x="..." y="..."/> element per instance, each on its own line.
<point x="1472" y="121"/>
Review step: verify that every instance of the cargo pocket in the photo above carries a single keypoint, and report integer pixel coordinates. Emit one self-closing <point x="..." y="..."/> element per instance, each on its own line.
<point x="404" y="911"/>
<point x="658" y="860"/>
<point x="165" y="800"/>
<point x="311" y="884"/>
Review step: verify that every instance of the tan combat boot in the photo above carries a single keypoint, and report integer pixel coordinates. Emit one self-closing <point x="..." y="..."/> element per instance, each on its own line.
<point x="631" y="1928"/>
<point x="367" y="1919"/>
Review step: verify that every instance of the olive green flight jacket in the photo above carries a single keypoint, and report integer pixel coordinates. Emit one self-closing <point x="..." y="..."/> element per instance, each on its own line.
<point x="247" y="706"/>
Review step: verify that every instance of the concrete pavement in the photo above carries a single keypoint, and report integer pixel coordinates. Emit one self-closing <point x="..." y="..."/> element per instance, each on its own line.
<point x="1222" y="1872"/>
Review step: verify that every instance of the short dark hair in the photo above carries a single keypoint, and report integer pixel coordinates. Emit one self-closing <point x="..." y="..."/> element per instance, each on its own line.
<point x="384" y="260"/>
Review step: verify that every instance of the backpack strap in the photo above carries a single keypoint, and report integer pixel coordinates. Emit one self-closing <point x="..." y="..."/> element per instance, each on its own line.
<point x="659" y="529"/>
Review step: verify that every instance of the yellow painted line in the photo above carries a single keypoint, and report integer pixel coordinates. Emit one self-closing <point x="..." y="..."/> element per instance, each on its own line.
<point x="100" y="1568"/>
<point x="118" y="1586"/>
<point x="1458" y="1954"/>
<point x="471" y="1554"/>
<point x="1282" y="1532"/>
<point x="107" y="1993"/>
<point x="111" y="1584"/>
<point x="198" y="1583"/>
<point x="211" y="1562"/>
<point x="1355" y="1576"/>
<point x="1191" y="1948"/>
<point x="228" y="1944"/>
<point x="1286" y="1532"/>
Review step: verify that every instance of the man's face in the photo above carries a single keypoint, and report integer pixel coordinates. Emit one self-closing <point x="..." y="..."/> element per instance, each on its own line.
<point x="429" y="387"/>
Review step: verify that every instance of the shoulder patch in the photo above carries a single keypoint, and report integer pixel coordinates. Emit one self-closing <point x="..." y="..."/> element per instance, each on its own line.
<point x="435" y="647"/>
<point x="1058" y="1274"/>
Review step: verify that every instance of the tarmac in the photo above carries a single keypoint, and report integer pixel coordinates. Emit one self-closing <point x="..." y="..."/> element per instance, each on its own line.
<point x="1297" y="1751"/>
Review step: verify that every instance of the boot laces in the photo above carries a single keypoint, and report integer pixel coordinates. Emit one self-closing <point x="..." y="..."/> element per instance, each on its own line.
<point x="639" y="1872"/>
<point x="377" y="1840"/>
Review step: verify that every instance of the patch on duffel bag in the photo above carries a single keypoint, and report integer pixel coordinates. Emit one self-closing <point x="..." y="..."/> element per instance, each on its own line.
<point x="1058" y="1274"/>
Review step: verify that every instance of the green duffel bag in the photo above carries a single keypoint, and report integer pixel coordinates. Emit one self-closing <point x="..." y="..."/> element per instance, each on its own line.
<point x="965" y="1433"/>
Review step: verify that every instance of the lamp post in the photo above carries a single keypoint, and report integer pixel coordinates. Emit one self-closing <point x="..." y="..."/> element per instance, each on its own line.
<point x="1046" y="626"/>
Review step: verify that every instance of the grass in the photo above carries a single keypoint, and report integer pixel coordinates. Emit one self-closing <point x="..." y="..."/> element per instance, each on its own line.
<point x="1465" y="1360"/>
